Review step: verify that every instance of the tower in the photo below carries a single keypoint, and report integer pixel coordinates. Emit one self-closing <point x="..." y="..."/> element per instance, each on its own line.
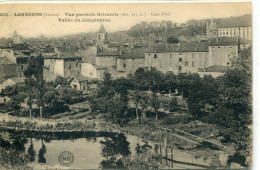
<point x="211" y="29"/>
<point x="17" y="39"/>
<point x="101" y="36"/>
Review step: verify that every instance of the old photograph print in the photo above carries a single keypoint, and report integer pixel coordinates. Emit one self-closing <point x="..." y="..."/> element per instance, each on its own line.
<point x="126" y="86"/>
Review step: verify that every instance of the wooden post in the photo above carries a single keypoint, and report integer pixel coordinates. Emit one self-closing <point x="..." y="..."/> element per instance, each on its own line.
<point x="172" y="157"/>
<point x="166" y="155"/>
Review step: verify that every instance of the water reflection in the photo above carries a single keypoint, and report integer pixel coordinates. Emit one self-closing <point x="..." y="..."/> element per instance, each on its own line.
<point x="91" y="150"/>
<point x="115" y="150"/>
<point x="42" y="151"/>
<point x="31" y="152"/>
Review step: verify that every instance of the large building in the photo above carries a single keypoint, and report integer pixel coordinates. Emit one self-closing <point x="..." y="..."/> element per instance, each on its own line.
<point x="235" y="31"/>
<point x="178" y="58"/>
<point x="191" y="57"/>
<point x="230" y="28"/>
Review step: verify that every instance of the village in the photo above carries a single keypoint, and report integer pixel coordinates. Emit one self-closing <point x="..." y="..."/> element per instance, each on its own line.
<point x="170" y="86"/>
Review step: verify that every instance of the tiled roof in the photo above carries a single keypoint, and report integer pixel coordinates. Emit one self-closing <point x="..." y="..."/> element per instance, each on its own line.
<point x="62" y="56"/>
<point x="108" y="53"/>
<point x="49" y="49"/>
<point x="179" y="47"/>
<point x="18" y="80"/>
<point x="133" y="53"/>
<point x="162" y="48"/>
<point x="224" y="41"/>
<point x="81" y="78"/>
<point x="4" y="60"/>
<point x="20" y="47"/>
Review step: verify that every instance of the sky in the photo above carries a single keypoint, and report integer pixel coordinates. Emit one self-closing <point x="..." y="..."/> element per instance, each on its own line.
<point x="178" y="12"/>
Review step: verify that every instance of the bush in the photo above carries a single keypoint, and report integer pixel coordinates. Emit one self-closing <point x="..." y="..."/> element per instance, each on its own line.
<point x="176" y="119"/>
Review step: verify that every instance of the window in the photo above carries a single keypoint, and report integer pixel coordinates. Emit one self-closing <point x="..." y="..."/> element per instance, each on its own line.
<point x="180" y="68"/>
<point x="170" y="55"/>
<point x="124" y="65"/>
<point x="22" y="67"/>
<point x="155" y="55"/>
<point x="228" y="63"/>
<point x="186" y="63"/>
<point x="180" y="53"/>
<point x="69" y="66"/>
<point x="192" y="55"/>
<point x="218" y="47"/>
<point x="149" y="54"/>
<point x="180" y="59"/>
<point x="192" y="63"/>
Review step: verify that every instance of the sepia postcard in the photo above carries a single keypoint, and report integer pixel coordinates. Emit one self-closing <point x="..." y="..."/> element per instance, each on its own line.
<point x="151" y="85"/>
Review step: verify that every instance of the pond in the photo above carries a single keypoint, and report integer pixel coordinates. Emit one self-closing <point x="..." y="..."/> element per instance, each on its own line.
<point x="90" y="150"/>
<point x="93" y="150"/>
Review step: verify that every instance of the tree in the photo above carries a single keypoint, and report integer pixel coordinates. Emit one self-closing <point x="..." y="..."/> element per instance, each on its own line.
<point x="173" y="105"/>
<point x="30" y="84"/>
<point x="136" y="98"/>
<point x="40" y="93"/>
<point x="172" y="40"/>
<point x="155" y="104"/>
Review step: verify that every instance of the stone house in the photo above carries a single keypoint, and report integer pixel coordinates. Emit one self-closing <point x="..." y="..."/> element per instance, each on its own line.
<point x="65" y="66"/>
<point x="19" y="81"/>
<point x="7" y="69"/>
<point x="18" y="54"/>
<point x="193" y="56"/>
<point x="222" y="50"/>
<point x="83" y="83"/>
<point x="131" y="59"/>
<point x="107" y="58"/>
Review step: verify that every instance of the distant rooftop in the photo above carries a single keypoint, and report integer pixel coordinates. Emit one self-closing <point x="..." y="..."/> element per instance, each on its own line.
<point x="107" y="53"/>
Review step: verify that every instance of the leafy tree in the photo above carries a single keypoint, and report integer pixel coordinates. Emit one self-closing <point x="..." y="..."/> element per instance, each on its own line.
<point x="30" y="85"/>
<point x="172" y="40"/>
<point x="155" y="103"/>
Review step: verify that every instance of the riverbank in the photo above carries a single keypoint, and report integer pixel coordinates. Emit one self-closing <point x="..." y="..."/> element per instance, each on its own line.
<point x="149" y="131"/>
